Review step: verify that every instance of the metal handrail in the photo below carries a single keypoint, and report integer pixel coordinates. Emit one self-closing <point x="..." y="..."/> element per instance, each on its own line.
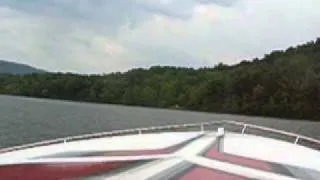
<point x="155" y="128"/>
<point x="103" y="134"/>
<point x="290" y="134"/>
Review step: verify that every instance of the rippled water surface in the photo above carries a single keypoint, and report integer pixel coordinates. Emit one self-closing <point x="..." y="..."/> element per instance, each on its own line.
<point x="25" y="120"/>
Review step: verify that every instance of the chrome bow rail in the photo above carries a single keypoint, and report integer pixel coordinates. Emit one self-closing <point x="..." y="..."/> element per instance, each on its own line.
<point x="244" y="127"/>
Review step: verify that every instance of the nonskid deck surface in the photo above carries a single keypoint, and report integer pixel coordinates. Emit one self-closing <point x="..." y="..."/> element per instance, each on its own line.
<point x="179" y="155"/>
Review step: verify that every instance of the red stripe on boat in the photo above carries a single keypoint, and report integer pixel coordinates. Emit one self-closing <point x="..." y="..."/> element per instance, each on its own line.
<point x="57" y="170"/>
<point x="240" y="160"/>
<point x="209" y="174"/>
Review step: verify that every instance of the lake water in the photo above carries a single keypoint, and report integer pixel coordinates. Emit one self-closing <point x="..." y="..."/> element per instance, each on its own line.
<point x="25" y="120"/>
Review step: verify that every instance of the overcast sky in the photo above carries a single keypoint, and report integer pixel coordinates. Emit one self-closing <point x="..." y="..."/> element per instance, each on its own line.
<point x="101" y="36"/>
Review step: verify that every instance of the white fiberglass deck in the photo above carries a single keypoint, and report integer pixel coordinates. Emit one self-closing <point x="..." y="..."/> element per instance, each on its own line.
<point x="173" y="155"/>
<point x="272" y="150"/>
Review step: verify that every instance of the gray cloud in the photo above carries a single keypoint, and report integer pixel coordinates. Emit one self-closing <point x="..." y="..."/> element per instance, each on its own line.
<point x="114" y="35"/>
<point x="218" y="2"/>
<point x="113" y="13"/>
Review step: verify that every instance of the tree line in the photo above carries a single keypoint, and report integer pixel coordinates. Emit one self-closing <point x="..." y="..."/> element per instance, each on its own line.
<point x="284" y="83"/>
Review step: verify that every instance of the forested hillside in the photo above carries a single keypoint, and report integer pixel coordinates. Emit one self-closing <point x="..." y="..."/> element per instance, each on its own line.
<point x="282" y="84"/>
<point x="17" y="68"/>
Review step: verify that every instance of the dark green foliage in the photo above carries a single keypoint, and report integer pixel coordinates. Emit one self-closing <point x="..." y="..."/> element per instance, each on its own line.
<point x="283" y="84"/>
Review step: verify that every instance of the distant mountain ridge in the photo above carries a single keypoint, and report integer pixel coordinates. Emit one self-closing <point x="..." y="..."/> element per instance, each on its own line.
<point x="7" y="67"/>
